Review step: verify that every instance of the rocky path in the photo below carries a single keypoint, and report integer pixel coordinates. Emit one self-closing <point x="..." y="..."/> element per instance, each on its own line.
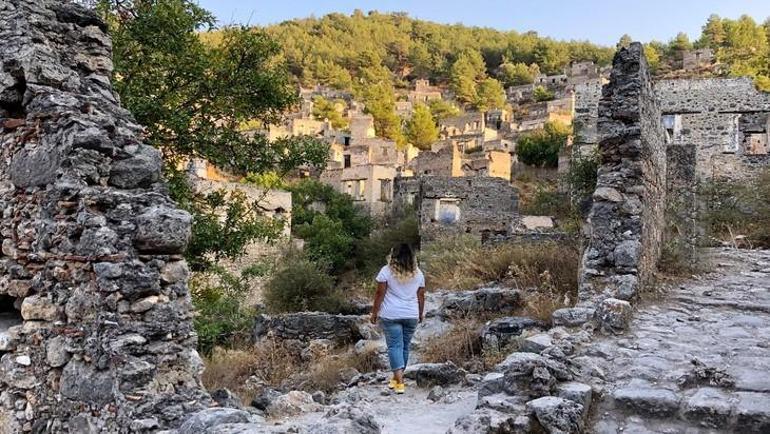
<point x="697" y="361"/>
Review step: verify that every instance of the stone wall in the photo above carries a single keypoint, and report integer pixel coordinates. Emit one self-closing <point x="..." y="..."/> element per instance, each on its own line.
<point x="479" y="206"/>
<point x="625" y="224"/>
<point x="719" y="116"/>
<point x="91" y="243"/>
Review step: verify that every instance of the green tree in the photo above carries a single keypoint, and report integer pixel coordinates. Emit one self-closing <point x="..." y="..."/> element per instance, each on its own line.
<point x="421" y="130"/>
<point x="466" y="72"/>
<point x="653" y="56"/>
<point x="713" y="32"/>
<point x="680" y="43"/>
<point x="551" y="56"/>
<point x="624" y="41"/>
<point x="324" y="109"/>
<point x="515" y="74"/>
<point x="541" y="94"/>
<point x="192" y="95"/>
<point x="489" y="95"/>
<point x="441" y="109"/>
<point x="541" y="147"/>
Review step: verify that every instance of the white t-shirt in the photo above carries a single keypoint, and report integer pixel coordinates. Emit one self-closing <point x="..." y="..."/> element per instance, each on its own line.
<point x="400" y="297"/>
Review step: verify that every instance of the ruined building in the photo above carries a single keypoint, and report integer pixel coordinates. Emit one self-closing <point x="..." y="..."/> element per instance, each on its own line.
<point x="479" y="206"/>
<point x="97" y="332"/>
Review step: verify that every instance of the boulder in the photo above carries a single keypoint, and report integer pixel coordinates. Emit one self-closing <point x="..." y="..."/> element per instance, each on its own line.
<point x="226" y="399"/>
<point x="752" y="412"/>
<point x="489" y="421"/>
<point x="709" y="407"/>
<point x="204" y="421"/>
<point x="436" y="393"/>
<point x="613" y="315"/>
<point x="558" y="415"/>
<point x="435" y="374"/>
<point x="262" y="400"/>
<point x="346" y="419"/>
<point x="491" y="384"/>
<point x="536" y="343"/>
<point x="574" y="391"/>
<point x="644" y="399"/>
<point x="500" y="333"/>
<point x="572" y="316"/>
<point x="292" y="404"/>
<point x="533" y="376"/>
<point x="468" y="303"/>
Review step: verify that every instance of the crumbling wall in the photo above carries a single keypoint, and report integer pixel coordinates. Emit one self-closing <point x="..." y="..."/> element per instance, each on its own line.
<point x="723" y="118"/>
<point x="625" y="225"/>
<point x="446" y="206"/>
<point x="91" y="244"/>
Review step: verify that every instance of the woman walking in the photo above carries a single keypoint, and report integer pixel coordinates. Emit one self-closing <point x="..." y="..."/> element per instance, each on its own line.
<point x="399" y="304"/>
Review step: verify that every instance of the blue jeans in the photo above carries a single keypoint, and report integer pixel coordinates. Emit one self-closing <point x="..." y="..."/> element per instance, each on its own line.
<point x="398" y="335"/>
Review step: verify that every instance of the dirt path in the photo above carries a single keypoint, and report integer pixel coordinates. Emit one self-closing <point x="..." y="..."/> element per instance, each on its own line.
<point x="696" y="362"/>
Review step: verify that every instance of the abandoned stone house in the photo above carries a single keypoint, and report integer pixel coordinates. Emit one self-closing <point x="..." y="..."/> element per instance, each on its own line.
<point x="449" y="161"/>
<point x="364" y="166"/>
<point x="697" y="59"/>
<point x="479" y="206"/>
<point x="423" y="92"/>
<point x="724" y="120"/>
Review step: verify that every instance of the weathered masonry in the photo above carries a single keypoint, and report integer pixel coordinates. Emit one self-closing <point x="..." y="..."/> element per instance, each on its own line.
<point x="625" y="224"/>
<point x="727" y="120"/>
<point x="446" y="206"/>
<point x="97" y="331"/>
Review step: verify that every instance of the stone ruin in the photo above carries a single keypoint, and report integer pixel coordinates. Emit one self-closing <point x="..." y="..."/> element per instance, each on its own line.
<point x="625" y="224"/>
<point x="97" y="331"/>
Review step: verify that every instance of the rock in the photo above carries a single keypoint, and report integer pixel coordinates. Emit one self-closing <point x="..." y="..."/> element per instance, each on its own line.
<point x="500" y="333"/>
<point x="536" y="343"/>
<point x="613" y="315"/>
<point x="482" y="300"/>
<point x="292" y="404"/>
<point x="204" y="421"/>
<point x="319" y="397"/>
<point x="174" y="272"/>
<point x="558" y="415"/>
<point x="144" y="304"/>
<point x="23" y="360"/>
<point x="346" y="419"/>
<point x="627" y="253"/>
<point x="38" y="307"/>
<point x="503" y="402"/>
<point x="162" y="229"/>
<point x="515" y="359"/>
<point x="609" y="194"/>
<point x="708" y="407"/>
<point x="473" y="379"/>
<point x="226" y="399"/>
<point x="489" y="421"/>
<point x="536" y="222"/>
<point x="533" y="376"/>
<point x="82" y="382"/>
<point x="572" y="316"/>
<point x="436" y="393"/>
<point x="574" y="391"/>
<point x="626" y="286"/>
<point x="56" y="354"/>
<point x="647" y="400"/>
<point x="752" y="412"/>
<point x="309" y="326"/>
<point x="440" y="374"/>
<point x="316" y="349"/>
<point x="263" y="399"/>
<point x="491" y="384"/>
<point x="142" y="169"/>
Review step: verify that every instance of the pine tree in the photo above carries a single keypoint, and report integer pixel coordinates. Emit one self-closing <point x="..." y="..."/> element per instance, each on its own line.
<point x="421" y="130"/>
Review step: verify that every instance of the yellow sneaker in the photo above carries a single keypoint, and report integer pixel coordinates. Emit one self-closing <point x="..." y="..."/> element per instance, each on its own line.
<point x="392" y="383"/>
<point x="400" y="388"/>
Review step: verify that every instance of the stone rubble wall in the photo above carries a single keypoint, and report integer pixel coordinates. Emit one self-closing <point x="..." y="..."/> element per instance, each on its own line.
<point x="625" y="225"/>
<point x="91" y="243"/>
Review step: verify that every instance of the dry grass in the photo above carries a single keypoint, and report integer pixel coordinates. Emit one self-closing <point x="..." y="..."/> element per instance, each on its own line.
<point x="462" y="263"/>
<point x="275" y="365"/>
<point x="269" y="361"/>
<point x="461" y="346"/>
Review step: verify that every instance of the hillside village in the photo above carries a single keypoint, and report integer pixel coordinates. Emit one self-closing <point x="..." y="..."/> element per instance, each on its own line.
<point x="192" y="222"/>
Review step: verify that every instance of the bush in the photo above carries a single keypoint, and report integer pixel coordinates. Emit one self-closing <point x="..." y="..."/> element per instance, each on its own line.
<point x="301" y="285"/>
<point x="541" y="147"/>
<point x="735" y="209"/>
<point x="371" y="252"/>
<point x="221" y="318"/>
<point x="541" y="94"/>
<point x="581" y="176"/>
<point x="326" y="241"/>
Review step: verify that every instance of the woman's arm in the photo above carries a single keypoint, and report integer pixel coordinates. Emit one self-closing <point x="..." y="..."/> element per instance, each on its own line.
<point x="378" y="297"/>
<point x="421" y="301"/>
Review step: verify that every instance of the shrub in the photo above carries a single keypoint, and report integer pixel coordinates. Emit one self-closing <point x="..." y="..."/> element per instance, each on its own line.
<point x="735" y="209"/>
<point x="581" y="176"/>
<point x="326" y="241"/>
<point x="326" y="374"/>
<point x="221" y="318"/>
<point x="541" y="147"/>
<point x="371" y="252"/>
<point x="302" y="285"/>
<point x="461" y="346"/>
<point x="541" y="94"/>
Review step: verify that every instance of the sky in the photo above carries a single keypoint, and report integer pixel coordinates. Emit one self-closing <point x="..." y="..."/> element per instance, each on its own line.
<point x="600" y="21"/>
